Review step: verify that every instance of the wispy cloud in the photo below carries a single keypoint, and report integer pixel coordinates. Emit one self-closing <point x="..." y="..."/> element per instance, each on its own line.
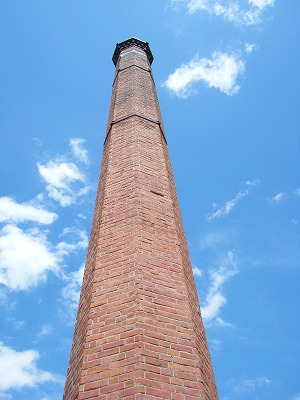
<point x="221" y="71"/>
<point x="232" y="11"/>
<point x="5" y="300"/>
<point x="280" y="196"/>
<point x="230" y="204"/>
<point x="251" y="183"/>
<point x="75" y="239"/>
<point x="46" y="330"/>
<point x="227" y="208"/>
<point x="250" y="47"/>
<point x="215" y="299"/>
<point x="65" y="182"/>
<point x="262" y="4"/>
<point x="79" y="152"/>
<point x="11" y="211"/>
<point x="249" y="384"/>
<point x="19" y="369"/>
<point x="214" y="345"/>
<point x="277" y="198"/>
<point x="197" y="272"/>
<point x="71" y="292"/>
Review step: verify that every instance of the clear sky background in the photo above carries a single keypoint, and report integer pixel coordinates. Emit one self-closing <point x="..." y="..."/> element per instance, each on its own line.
<point x="227" y="76"/>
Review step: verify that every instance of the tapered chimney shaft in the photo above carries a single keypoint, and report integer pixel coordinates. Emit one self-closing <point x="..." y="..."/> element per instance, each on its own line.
<point x="139" y="332"/>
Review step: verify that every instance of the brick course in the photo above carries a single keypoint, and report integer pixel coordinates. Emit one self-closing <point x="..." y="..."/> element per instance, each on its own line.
<point x="139" y="332"/>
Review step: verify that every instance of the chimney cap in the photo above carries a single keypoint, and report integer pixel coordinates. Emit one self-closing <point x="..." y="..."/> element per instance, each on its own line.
<point x="132" y="42"/>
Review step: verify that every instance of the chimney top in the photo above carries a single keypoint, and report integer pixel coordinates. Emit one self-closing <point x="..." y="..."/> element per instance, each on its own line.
<point x="132" y="42"/>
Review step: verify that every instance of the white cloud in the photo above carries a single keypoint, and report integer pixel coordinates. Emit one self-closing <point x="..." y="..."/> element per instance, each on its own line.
<point x="194" y="5"/>
<point x="214" y="345"/>
<point x="45" y="330"/>
<point x="249" y="384"/>
<point x="277" y="198"/>
<point x="197" y="272"/>
<point x="25" y="257"/>
<point x="215" y="300"/>
<point x="77" y="240"/>
<point x="79" y="152"/>
<point x="261" y="4"/>
<point x="5" y="299"/>
<point x="218" y="321"/>
<point x="231" y="10"/>
<point x="11" y="211"/>
<point x="19" y="369"/>
<point x="249" y="47"/>
<point x="297" y="192"/>
<point x="230" y="204"/>
<point x="263" y="380"/>
<point x="71" y="292"/>
<point x="63" y="181"/>
<point x="280" y="196"/>
<point x="232" y="13"/>
<point x="226" y="209"/>
<point x="220" y="71"/>
<point x="174" y="4"/>
<point x="252" y="183"/>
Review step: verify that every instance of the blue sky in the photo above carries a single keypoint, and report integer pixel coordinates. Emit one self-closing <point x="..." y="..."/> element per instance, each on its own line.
<point x="227" y="76"/>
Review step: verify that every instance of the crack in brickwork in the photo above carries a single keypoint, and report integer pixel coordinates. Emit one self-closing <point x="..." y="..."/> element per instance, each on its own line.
<point x="139" y="334"/>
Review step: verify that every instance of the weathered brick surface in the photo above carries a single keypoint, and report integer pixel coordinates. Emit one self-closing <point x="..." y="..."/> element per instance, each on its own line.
<point x="139" y="333"/>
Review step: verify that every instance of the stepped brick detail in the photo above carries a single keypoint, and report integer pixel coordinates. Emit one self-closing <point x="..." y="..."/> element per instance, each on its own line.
<point x="139" y="332"/>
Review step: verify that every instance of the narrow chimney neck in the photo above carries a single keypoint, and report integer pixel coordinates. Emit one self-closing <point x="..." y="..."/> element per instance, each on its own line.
<point x="132" y="42"/>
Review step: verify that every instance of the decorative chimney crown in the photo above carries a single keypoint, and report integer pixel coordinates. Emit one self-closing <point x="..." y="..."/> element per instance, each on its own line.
<point x="129" y="43"/>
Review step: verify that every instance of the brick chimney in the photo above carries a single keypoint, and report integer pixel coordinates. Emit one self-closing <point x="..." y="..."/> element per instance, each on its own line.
<point x="139" y="332"/>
